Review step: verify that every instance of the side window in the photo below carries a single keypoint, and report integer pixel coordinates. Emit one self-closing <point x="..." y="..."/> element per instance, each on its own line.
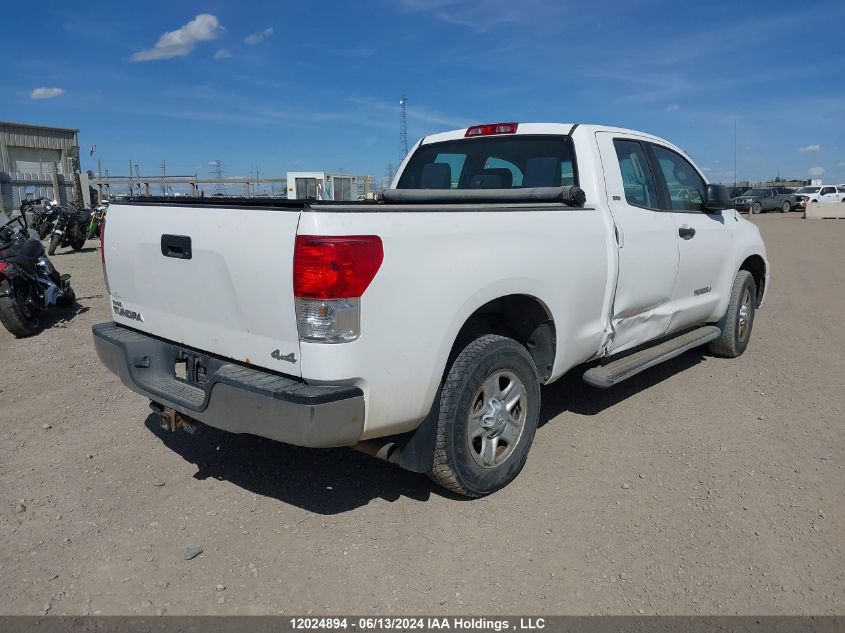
<point x="636" y="176"/>
<point x="567" y="173"/>
<point x="500" y="163"/>
<point x="826" y="191"/>
<point x="686" y="187"/>
<point x="456" y="164"/>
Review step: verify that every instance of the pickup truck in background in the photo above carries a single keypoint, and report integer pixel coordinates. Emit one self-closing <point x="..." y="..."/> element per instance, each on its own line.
<point x="780" y="199"/>
<point x="825" y="194"/>
<point x="419" y="328"/>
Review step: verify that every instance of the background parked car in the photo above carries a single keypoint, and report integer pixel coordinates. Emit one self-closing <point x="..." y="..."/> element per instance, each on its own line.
<point x="766" y="199"/>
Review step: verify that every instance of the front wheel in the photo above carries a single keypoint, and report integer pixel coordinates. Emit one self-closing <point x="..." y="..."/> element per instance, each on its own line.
<point x="739" y="318"/>
<point x="756" y="208"/>
<point x="78" y="243"/>
<point x="16" y="313"/>
<point x="54" y="244"/>
<point x="489" y="407"/>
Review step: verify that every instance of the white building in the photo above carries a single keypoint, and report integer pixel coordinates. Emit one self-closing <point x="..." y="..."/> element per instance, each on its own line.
<point x="318" y="185"/>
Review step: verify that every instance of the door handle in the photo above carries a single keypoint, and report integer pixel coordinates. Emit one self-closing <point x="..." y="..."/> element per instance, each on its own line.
<point x="686" y="232"/>
<point x="176" y="246"/>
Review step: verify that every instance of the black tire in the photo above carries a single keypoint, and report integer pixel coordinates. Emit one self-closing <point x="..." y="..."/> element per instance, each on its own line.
<point x="14" y="315"/>
<point x="737" y="323"/>
<point x="756" y="208"/>
<point x="786" y="207"/>
<point x="44" y="231"/>
<point x="54" y="244"/>
<point x="489" y="359"/>
<point x="79" y="243"/>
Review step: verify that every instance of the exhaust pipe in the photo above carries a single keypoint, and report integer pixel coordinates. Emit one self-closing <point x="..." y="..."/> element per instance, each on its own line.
<point x="380" y="449"/>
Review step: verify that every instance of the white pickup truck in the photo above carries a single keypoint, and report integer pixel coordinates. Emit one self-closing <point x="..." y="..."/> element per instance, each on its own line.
<point x="420" y="327"/>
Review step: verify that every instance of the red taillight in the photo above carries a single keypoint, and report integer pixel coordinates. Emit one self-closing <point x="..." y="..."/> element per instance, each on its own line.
<point x="2" y="266"/>
<point x="492" y="128"/>
<point x="336" y="267"/>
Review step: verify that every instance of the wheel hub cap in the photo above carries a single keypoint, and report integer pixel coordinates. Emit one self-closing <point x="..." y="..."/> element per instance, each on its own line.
<point x="745" y="315"/>
<point x="496" y="418"/>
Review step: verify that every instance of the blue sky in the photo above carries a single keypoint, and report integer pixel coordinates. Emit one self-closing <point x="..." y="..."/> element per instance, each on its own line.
<point x="305" y="85"/>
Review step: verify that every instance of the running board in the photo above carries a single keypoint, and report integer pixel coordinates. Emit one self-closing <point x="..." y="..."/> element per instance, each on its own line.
<point x="615" y="372"/>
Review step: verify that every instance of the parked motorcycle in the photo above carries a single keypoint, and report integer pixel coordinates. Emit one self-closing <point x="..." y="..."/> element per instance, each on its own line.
<point x="28" y="282"/>
<point x="98" y="216"/>
<point x="43" y="216"/>
<point x="70" y="229"/>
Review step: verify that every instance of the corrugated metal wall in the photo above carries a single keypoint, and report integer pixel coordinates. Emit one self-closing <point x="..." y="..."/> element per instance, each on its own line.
<point x="21" y="147"/>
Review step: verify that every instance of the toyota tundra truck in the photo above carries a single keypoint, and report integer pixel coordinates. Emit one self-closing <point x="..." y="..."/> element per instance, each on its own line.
<point x="420" y="327"/>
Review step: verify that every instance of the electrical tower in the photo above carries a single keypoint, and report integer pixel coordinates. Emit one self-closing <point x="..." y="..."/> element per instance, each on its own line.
<point x="217" y="172"/>
<point x="403" y="128"/>
<point x="163" y="177"/>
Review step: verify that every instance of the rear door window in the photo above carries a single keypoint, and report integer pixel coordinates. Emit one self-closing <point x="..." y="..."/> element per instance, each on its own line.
<point x="500" y="162"/>
<point x="637" y="178"/>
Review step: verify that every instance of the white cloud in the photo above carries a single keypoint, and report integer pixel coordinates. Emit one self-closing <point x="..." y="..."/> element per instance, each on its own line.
<point x="810" y="148"/>
<point x="257" y="38"/>
<point x="46" y="93"/>
<point x="672" y="107"/>
<point x="223" y="53"/>
<point x="815" y="172"/>
<point x="181" y="42"/>
<point x="706" y="169"/>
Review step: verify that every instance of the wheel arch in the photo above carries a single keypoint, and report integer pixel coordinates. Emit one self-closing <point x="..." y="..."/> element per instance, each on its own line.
<point x="522" y="317"/>
<point x="756" y="265"/>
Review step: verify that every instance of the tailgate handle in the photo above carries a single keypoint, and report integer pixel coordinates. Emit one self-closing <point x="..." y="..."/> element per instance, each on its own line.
<point x="178" y="246"/>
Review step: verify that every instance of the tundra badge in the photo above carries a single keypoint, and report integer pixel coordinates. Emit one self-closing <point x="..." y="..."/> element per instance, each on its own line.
<point x="118" y="308"/>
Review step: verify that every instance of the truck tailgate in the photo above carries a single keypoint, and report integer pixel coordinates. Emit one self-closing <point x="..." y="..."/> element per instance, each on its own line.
<point x="231" y="296"/>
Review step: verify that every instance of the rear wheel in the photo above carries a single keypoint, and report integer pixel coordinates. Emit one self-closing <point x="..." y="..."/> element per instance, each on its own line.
<point x="739" y="318"/>
<point x="756" y="208"/>
<point x="79" y="243"/>
<point x="786" y="207"/>
<point x="489" y="406"/>
<point x="54" y="244"/>
<point x="16" y="313"/>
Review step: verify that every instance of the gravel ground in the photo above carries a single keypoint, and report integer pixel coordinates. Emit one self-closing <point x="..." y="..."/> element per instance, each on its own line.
<point x="701" y="486"/>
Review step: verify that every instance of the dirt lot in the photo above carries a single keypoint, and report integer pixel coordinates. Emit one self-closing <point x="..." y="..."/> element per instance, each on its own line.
<point x="701" y="486"/>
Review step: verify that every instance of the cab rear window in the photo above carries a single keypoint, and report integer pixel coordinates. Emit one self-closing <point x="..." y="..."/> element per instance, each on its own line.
<point x="512" y="162"/>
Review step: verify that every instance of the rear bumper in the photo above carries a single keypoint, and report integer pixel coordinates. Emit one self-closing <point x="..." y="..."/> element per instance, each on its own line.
<point x="232" y="397"/>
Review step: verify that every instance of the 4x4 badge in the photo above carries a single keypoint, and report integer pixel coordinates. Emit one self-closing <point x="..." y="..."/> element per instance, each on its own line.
<point x="277" y="354"/>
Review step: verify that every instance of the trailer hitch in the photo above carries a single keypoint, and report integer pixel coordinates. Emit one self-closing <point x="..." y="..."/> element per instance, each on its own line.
<point x="171" y="420"/>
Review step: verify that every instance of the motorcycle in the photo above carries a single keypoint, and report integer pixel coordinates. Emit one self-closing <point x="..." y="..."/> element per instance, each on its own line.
<point x="45" y="218"/>
<point x="29" y="284"/>
<point x="70" y="229"/>
<point x="43" y="215"/>
<point x="96" y="221"/>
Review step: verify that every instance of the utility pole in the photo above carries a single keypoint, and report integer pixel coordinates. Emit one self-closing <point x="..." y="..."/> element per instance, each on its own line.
<point x="163" y="175"/>
<point x="403" y="129"/>
<point x="734" y="153"/>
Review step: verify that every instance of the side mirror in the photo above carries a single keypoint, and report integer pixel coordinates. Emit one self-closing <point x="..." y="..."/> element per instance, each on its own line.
<point x="716" y="199"/>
